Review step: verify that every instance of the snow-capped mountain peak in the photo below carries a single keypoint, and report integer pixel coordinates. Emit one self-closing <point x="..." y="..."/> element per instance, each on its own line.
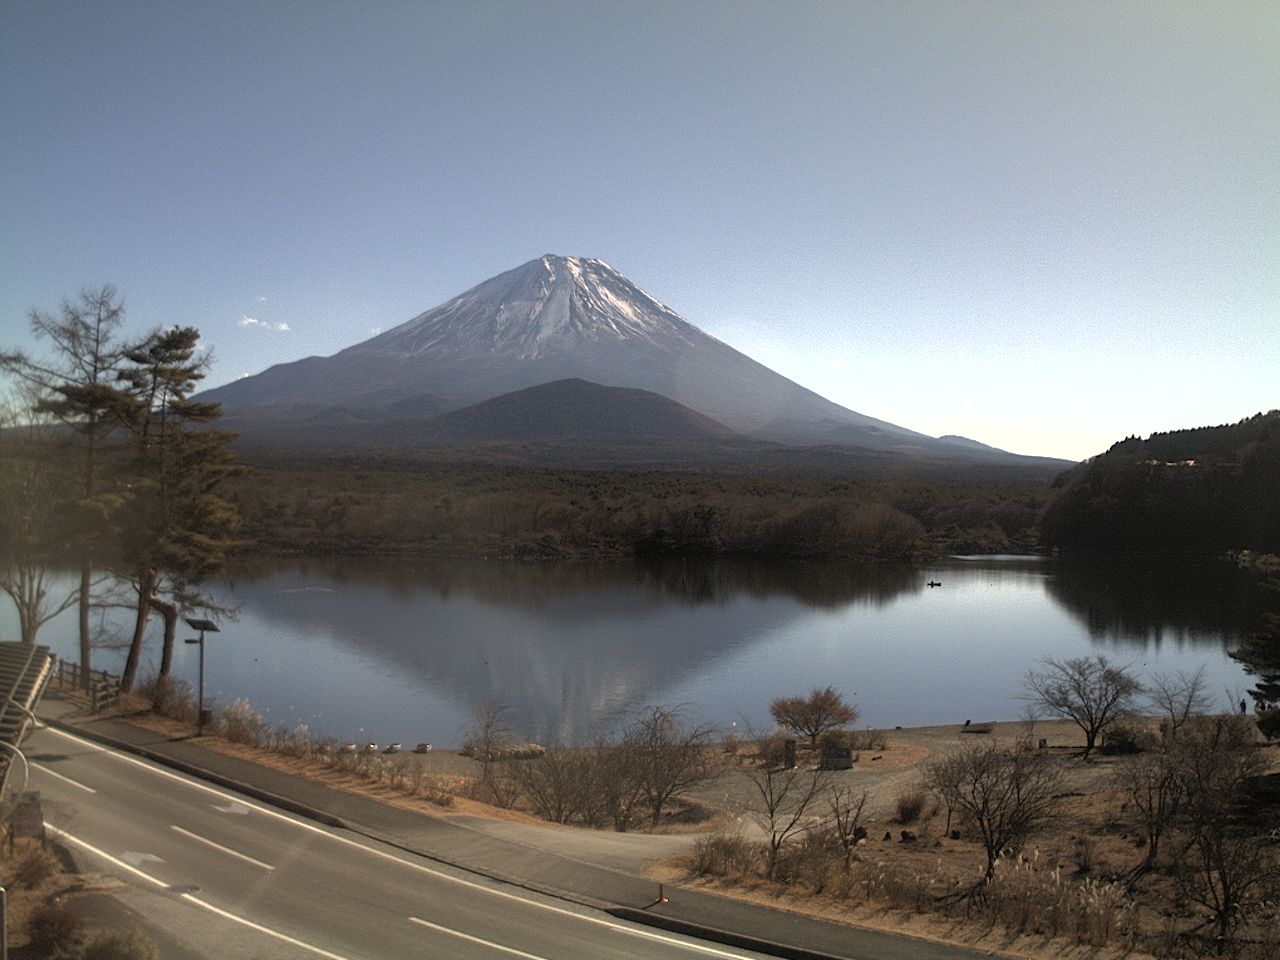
<point x="552" y="319"/>
<point x="544" y="306"/>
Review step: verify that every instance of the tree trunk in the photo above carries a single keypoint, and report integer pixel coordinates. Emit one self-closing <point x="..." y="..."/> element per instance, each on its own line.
<point x="146" y="588"/>
<point x="170" y="613"/>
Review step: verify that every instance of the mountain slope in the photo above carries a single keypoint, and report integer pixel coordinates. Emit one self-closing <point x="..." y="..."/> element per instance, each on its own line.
<point x="551" y="319"/>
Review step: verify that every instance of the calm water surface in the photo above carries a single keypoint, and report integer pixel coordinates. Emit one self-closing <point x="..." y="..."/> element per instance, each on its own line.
<point x="402" y="650"/>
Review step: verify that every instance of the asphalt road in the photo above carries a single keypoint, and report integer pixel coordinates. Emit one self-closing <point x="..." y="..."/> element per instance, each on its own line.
<point x="233" y="877"/>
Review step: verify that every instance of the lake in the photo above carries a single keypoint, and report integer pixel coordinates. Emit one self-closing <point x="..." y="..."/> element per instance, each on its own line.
<point x="402" y="650"/>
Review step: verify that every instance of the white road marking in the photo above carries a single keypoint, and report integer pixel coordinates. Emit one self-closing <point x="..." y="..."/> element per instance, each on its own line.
<point x="63" y="835"/>
<point x="203" y="904"/>
<point x="136" y="858"/>
<point x="466" y="936"/>
<point x="54" y="773"/>
<point x="237" y="808"/>
<point x="219" y="847"/>
<point x="303" y="825"/>
<point x="318" y="951"/>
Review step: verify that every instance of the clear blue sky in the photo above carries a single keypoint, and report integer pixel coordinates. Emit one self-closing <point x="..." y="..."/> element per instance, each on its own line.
<point x="1044" y="226"/>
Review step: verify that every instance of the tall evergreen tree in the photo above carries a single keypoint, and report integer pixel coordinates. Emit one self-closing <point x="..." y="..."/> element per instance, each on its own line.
<point x="178" y="529"/>
<point x="76" y="385"/>
<point x="1260" y="656"/>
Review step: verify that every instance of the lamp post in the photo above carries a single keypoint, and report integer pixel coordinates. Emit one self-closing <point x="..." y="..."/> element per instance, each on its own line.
<point x="202" y="626"/>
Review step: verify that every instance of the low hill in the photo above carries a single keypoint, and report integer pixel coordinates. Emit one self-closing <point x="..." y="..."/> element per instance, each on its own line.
<point x="1206" y="490"/>
<point x="569" y="422"/>
<point x="575" y="409"/>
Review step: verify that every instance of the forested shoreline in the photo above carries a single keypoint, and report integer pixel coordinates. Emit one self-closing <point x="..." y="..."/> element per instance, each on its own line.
<point x="382" y="506"/>
<point x="1205" y="490"/>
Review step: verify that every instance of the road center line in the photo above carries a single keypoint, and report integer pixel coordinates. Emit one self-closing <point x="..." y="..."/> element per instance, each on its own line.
<point x="54" y="773"/>
<point x="466" y="936"/>
<point x="203" y="904"/>
<point x="634" y="931"/>
<point x="219" y="847"/>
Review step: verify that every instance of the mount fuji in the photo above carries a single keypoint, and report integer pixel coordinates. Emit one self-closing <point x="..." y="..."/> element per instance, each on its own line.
<point x="552" y="319"/>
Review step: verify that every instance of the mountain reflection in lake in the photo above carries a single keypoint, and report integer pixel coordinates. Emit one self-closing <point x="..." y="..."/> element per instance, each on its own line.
<point x="401" y="650"/>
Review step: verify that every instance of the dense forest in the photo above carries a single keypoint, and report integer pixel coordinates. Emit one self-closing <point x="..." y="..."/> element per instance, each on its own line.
<point x="1205" y="490"/>
<point x="378" y="506"/>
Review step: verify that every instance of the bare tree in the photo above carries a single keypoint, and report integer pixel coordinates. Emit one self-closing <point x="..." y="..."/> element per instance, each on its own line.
<point x="617" y="789"/>
<point x="1004" y="795"/>
<point x="557" y="784"/>
<point x="1088" y="691"/>
<point x="786" y="800"/>
<point x="847" y="818"/>
<point x="1179" y="697"/>
<point x="1151" y="782"/>
<point x="487" y="736"/>
<point x="1225" y="865"/>
<point x="670" y="757"/>
<point x="32" y="485"/>
<point x="814" y="715"/>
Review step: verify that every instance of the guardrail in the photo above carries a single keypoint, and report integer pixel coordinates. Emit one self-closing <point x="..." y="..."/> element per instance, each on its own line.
<point x="103" y="688"/>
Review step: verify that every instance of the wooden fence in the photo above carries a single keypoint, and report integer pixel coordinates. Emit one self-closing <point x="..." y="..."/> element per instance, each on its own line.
<point x="104" y="688"/>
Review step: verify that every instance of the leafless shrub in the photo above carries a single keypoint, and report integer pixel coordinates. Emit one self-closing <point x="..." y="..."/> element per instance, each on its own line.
<point x="724" y="855"/>
<point x="910" y="804"/>
<point x="1153" y="788"/>
<point x="785" y="801"/>
<point x="670" y="757"/>
<point x="616" y="783"/>
<point x="295" y="741"/>
<point x="240" y="723"/>
<point x="867" y="740"/>
<point x="53" y="927"/>
<point x="504" y="789"/>
<point x="847" y="819"/>
<point x="131" y="944"/>
<point x="1126" y="738"/>
<point x="1224" y="866"/>
<point x="555" y="784"/>
<point x="1003" y="794"/>
<point x="170" y="697"/>
<point x="37" y="867"/>
<point x="398" y="773"/>
<point x="1179" y="697"/>
<point x="812" y="861"/>
<point x="1085" y="847"/>
<point x="438" y="791"/>
<point x="488" y="737"/>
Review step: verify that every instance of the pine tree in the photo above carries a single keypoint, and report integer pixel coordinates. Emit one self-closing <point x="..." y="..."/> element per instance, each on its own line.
<point x="179" y="529"/>
<point x="1260" y="656"/>
<point x="76" y="386"/>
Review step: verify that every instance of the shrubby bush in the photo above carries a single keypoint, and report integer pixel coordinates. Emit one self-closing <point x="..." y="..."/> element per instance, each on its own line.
<point x="132" y="944"/>
<point x="53" y="927"/>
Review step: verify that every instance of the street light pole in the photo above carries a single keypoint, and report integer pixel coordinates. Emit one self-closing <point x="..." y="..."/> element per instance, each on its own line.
<point x="202" y="626"/>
